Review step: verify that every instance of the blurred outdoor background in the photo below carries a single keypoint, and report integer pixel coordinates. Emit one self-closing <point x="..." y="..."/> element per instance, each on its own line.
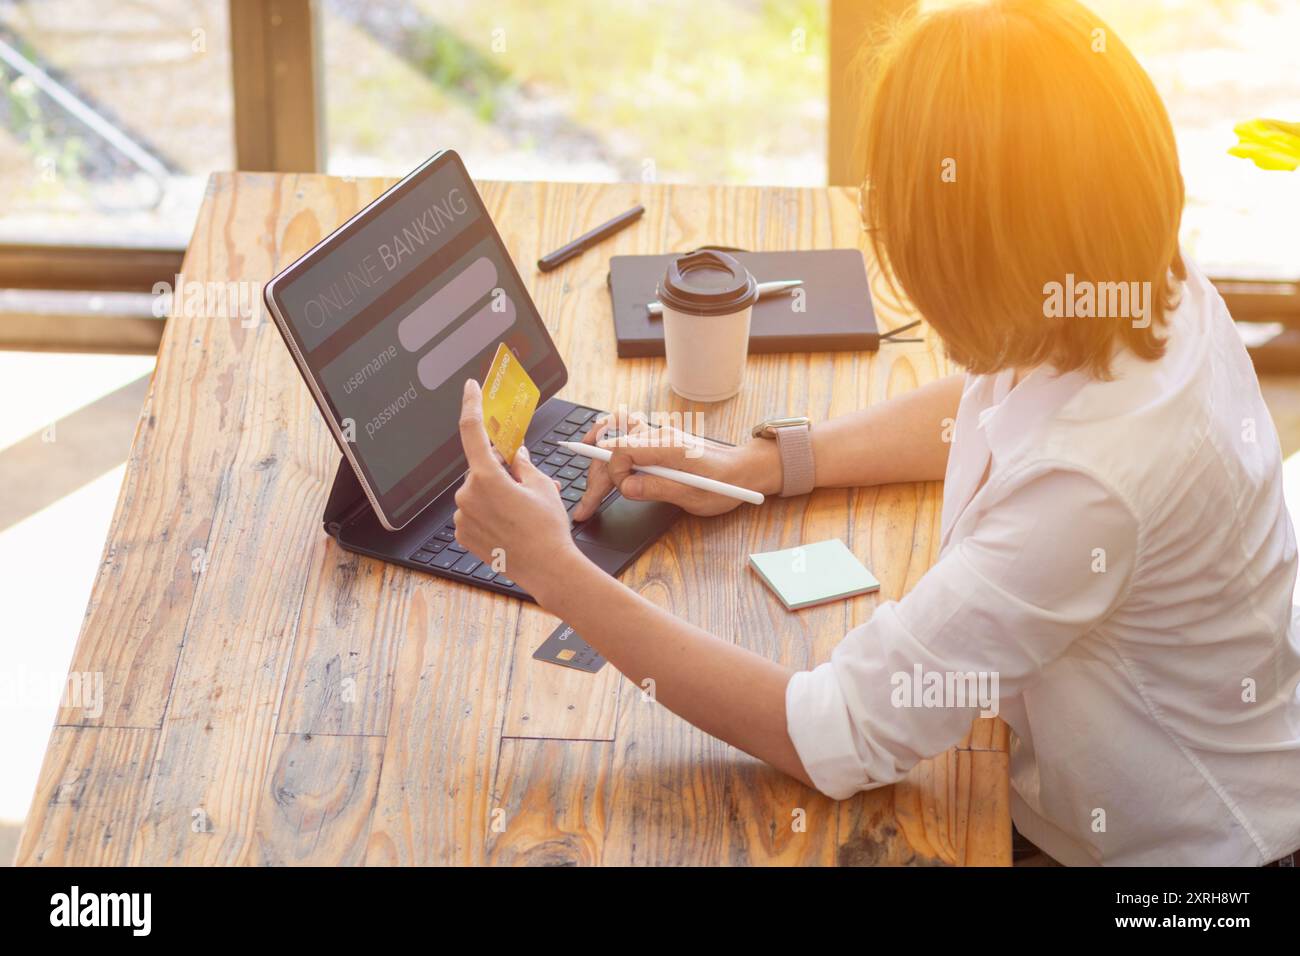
<point x="114" y="112"/>
<point x="712" y="91"/>
<point x="672" y="91"/>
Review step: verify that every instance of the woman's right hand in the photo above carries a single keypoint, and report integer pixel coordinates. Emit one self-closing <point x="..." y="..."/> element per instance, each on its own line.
<point x="755" y="465"/>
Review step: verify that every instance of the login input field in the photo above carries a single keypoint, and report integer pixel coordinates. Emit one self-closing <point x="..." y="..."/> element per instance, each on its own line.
<point x="485" y="327"/>
<point x="446" y="306"/>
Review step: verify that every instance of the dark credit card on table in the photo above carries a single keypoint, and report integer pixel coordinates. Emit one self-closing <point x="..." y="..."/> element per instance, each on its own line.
<point x="566" y="648"/>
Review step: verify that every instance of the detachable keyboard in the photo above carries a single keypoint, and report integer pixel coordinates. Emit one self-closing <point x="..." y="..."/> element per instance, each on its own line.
<point x="612" y="538"/>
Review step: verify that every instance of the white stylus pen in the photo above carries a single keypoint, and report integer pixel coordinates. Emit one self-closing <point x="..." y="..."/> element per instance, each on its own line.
<point x="672" y="474"/>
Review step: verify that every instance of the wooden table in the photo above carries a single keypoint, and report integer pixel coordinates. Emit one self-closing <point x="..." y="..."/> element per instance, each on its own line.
<point x="270" y="698"/>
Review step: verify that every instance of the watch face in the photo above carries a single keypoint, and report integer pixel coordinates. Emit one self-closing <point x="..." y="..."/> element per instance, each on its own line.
<point x="764" y="429"/>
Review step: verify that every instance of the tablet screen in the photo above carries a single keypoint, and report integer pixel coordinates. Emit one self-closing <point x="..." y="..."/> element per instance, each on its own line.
<point x="394" y="311"/>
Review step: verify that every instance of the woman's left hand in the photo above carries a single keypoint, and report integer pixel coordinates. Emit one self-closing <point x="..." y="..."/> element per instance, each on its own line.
<point x="512" y="520"/>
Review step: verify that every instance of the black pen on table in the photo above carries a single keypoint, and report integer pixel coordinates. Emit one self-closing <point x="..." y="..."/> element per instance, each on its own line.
<point x="584" y="242"/>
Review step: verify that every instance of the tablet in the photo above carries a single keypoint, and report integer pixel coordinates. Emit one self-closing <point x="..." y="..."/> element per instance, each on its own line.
<point x="387" y="318"/>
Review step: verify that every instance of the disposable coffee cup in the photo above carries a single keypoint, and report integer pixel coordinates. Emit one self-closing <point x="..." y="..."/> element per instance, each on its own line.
<point x="708" y="298"/>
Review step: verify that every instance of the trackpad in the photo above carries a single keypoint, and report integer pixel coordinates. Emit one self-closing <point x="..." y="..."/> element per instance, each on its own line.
<point x="626" y="526"/>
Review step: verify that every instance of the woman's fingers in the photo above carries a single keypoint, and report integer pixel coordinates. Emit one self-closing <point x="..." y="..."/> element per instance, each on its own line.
<point x="526" y="473"/>
<point x="639" y="487"/>
<point x="664" y="447"/>
<point x="641" y="444"/>
<point x="598" y="486"/>
<point x="655" y="446"/>
<point x="598" y="481"/>
<point x="478" y="450"/>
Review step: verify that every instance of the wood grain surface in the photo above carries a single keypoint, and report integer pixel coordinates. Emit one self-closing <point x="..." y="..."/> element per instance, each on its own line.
<point x="270" y="698"/>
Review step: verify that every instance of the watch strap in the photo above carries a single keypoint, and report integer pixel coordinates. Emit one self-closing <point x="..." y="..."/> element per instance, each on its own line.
<point x="794" y="442"/>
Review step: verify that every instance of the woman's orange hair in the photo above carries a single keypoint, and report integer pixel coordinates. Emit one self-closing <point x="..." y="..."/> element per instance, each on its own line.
<point x="1011" y="145"/>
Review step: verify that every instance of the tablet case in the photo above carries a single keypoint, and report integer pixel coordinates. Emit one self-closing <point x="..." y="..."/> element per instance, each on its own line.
<point x="837" y="298"/>
<point x="347" y="499"/>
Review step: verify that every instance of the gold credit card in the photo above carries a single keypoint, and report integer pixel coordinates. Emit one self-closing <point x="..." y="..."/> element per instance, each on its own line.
<point x="509" y="400"/>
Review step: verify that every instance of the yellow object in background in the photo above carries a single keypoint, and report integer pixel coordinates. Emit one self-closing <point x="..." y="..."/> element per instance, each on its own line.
<point x="509" y="400"/>
<point x="1269" y="144"/>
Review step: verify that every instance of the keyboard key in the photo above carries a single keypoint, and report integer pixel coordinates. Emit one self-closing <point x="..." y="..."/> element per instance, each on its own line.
<point x="566" y="428"/>
<point x="580" y="484"/>
<point x="423" y="557"/>
<point x="435" y="545"/>
<point x="559" y="459"/>
<point x="542" y="449"/>
<point x="568" y="473"/>
<point x="579" y="415"/>
<point x="506" y="582"/>
<point x="581" y="461"/>
<point x="466" y="564"/>
<point x="446" y="534"/>
<point x="546" y="469"/>
<point x="446" y="559"/>
<point x="456" y="547"/>
<point x="556" y="437"/>
<point x="485" y="572"/>
<point x="571" y="494"/>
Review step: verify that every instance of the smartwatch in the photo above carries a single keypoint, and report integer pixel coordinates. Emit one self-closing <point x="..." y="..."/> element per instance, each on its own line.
<point x="793" y="437"/>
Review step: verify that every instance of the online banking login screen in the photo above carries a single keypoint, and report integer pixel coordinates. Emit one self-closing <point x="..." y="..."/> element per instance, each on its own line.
<point x="393" y="319"/>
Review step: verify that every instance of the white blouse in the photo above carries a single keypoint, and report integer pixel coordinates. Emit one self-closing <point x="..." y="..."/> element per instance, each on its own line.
<point x="1125" y="575"/>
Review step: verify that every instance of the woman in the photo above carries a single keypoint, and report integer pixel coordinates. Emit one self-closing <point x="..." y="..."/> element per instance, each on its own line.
<point x="1115" y="546"/>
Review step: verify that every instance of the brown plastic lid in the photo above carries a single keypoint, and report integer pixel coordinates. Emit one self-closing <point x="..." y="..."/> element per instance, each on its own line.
<point x="707" y="283"/>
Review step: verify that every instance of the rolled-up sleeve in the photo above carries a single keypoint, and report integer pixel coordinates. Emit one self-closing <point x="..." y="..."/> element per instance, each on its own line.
<point x="1048" y="559"/>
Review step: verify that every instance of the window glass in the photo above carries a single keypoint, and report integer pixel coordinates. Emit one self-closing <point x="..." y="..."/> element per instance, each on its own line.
<point x="672" y="91"/>
<point x="112" y="114"/>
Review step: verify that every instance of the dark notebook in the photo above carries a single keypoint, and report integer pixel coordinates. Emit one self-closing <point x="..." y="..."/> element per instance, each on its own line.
<point x="837" y="314"/>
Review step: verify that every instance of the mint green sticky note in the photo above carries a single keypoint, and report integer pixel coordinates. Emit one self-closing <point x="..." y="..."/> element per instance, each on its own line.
<point x="813" y="573"/>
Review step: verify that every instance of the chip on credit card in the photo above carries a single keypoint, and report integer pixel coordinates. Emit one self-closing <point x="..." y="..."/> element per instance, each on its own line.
<point x="509" y="400"/>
